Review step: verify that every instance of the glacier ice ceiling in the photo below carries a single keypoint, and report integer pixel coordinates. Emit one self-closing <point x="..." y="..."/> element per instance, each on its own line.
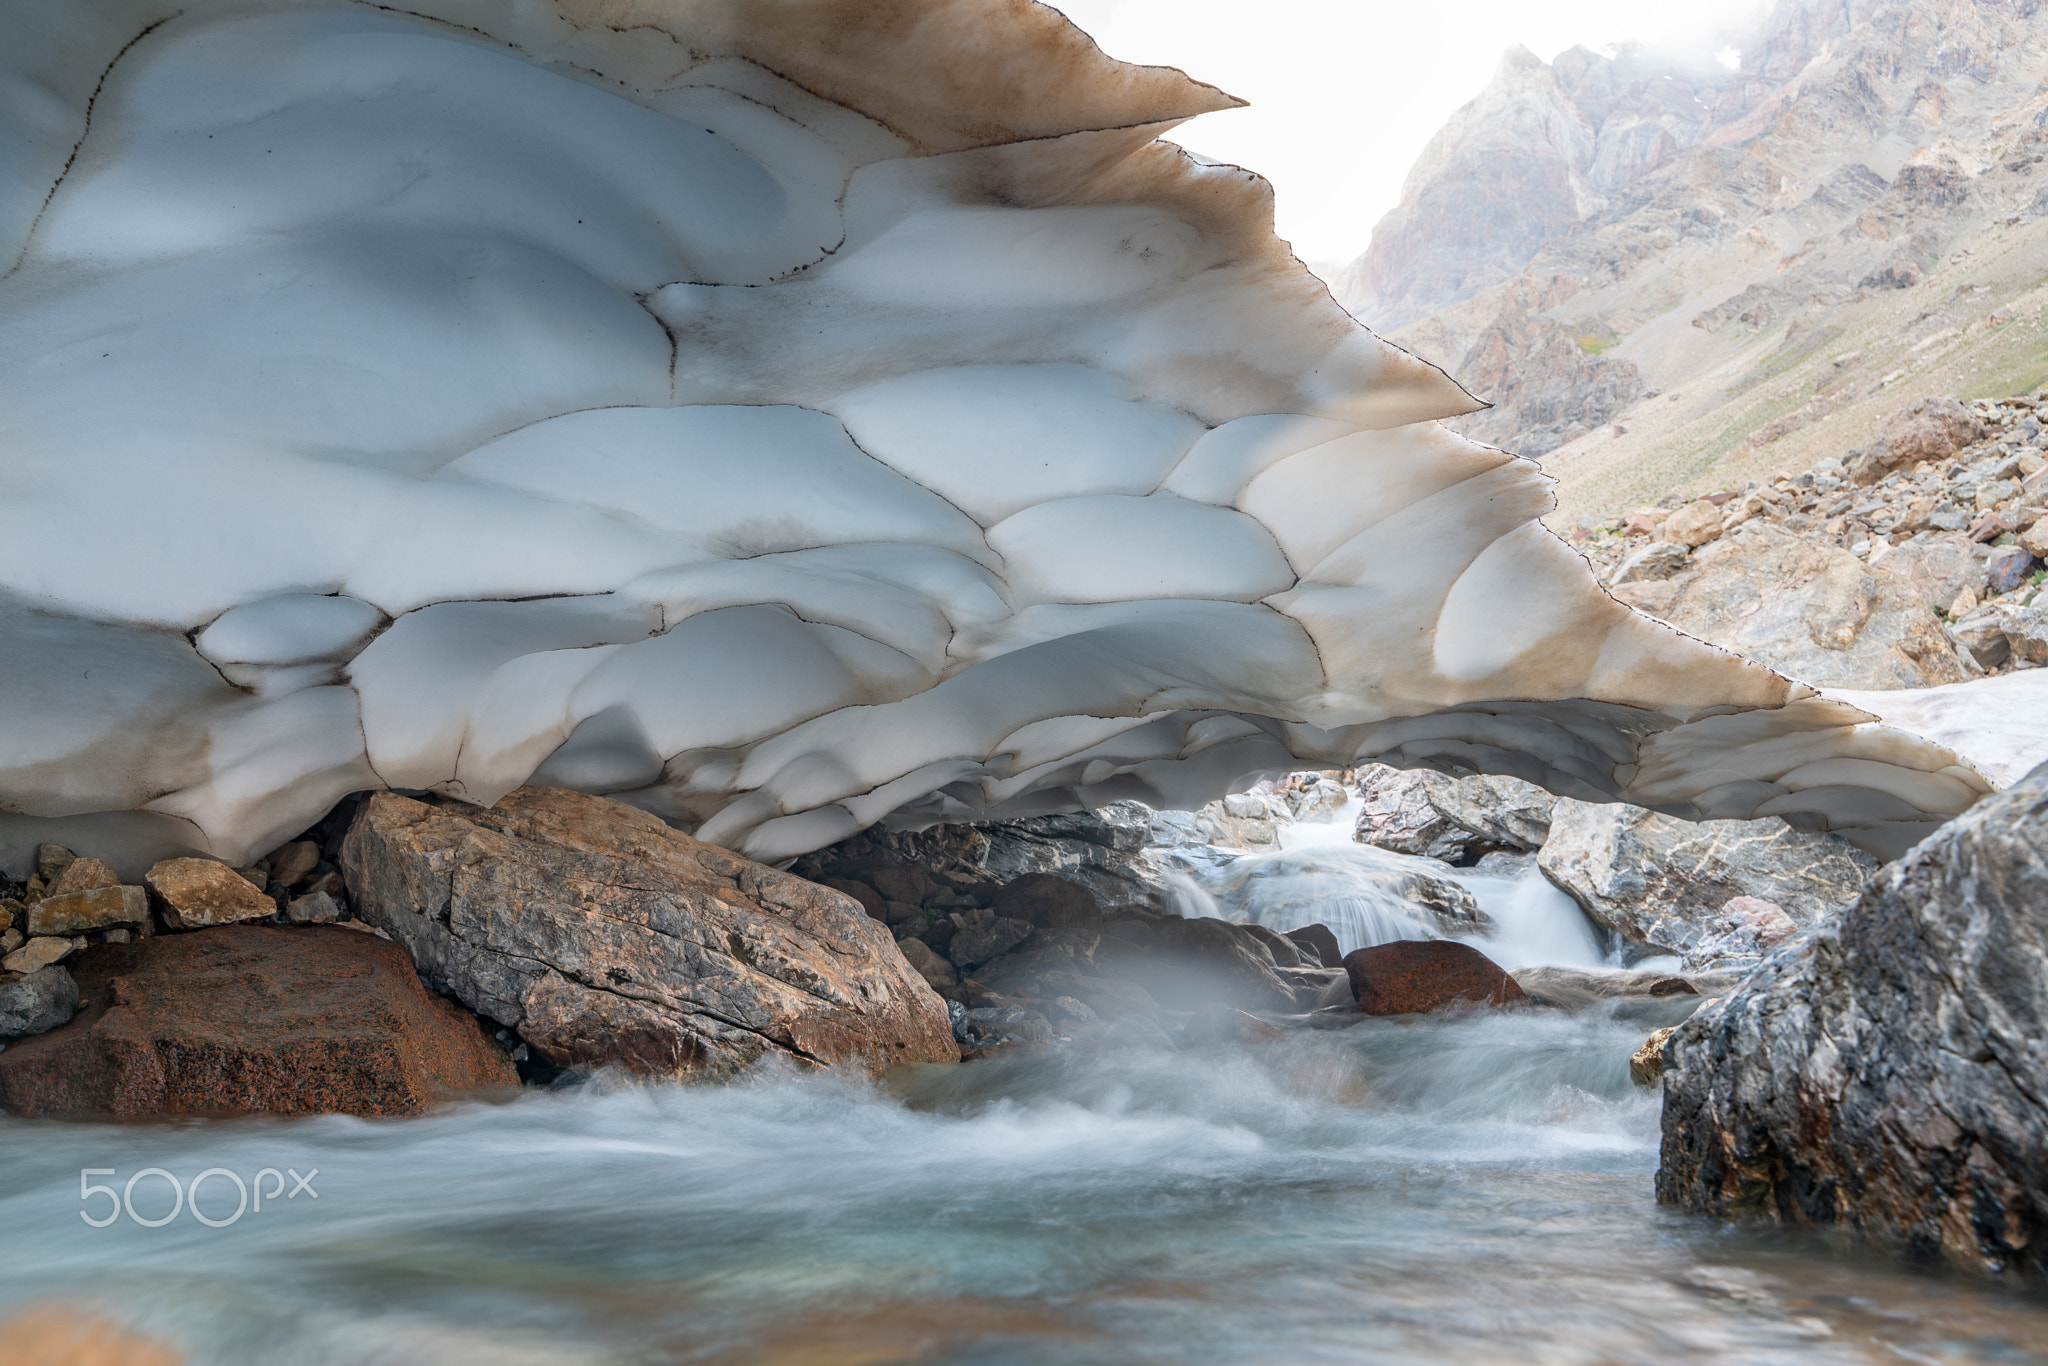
<point x="784" y="415"/>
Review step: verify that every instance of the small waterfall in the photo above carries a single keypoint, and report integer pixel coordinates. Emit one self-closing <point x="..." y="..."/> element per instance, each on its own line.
<point x="1365" y="895"/>
<point x="1535" y="924"/>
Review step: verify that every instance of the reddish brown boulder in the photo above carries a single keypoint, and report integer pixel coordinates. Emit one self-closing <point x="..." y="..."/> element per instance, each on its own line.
<point x="604" y="936"/>
<point x="1414" y="976"/>
<point x="249" y="1019"/>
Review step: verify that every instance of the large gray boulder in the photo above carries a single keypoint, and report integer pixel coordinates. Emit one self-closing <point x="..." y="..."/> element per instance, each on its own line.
<point x="1434" y="815"/>
<point x="1665" y="884"/>
<point x="603" y="936"/>
<point x="1887" y="1073"/>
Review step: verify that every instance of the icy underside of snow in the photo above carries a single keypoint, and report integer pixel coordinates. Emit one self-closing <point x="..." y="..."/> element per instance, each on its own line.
<point x="783" y="418"/>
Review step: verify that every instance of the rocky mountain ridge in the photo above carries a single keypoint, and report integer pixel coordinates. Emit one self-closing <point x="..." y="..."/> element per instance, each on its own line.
<point x="1855" y="224"/>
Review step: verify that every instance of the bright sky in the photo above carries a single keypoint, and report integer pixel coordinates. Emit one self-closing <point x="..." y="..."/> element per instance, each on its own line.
<point x="1344" y="93"/>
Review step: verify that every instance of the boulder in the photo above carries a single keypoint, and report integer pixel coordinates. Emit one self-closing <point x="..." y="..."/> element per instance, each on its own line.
<point x="1048" y="902"/>
<point x="83" y="875"/>
<point x="38" y="954"/>
<point x="1397" y="815"/>
<point x="1649" y="563"/>
<point x="1664" y="884"/>
<point x="604" y="936"/>
<point x="250" y="1019"/>
<point x="2007" y="569"/>
<point x="1933" y="428"/>
<point x="314" y="908"/>
<point x="37" y="1003"/>
<point x="1415" y="976"/>
<point x="1101" y="850"/>
<point x="1883" y="1074"/>
<point x="1319" y="940"/>
<point x="1693" y="525"/>
<point x="1807" y="608"/>
<point x="2026" y="632"/>
<point x="1745" y="929"/>
<point x="96" y="908"/>
<point x="51" y="861"/>
<point x="195" y="893"/>
<point x="1456" y="819"/>
<point x="979" y="935"/>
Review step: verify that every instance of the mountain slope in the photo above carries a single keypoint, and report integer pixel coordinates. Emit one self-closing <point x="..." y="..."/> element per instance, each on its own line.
<point x="1860" y="223"/>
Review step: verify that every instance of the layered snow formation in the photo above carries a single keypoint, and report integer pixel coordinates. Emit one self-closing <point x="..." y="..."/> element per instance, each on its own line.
<point x="783" y="416"/>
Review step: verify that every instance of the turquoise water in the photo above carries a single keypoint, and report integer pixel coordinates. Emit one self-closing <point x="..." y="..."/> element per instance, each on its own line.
<point x="1467" y="1190"/>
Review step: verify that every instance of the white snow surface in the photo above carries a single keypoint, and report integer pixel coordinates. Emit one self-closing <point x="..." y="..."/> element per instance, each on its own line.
<point x="783" y="418"/>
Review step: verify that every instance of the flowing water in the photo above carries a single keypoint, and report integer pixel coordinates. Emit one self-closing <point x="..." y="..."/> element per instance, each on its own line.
<point x="1466" y="1189"/>
<point x="1472" y="1190"/>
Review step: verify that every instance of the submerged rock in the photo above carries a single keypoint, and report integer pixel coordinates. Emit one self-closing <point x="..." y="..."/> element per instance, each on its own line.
<point x="250" y="1020"/>
<point x="603" y="936"/>
<point x="1885" y="1073"/>
<point x="1413" y="977"/>
<point x="1664" y="885"/>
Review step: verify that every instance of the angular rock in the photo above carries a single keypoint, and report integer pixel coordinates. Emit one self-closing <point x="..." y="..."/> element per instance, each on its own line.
<point x="1662" y="883"/>
<point x="980" y="935"/>
<point x="251" y="1019"/>
<point x="1503" y="812"/>
<point x="2026" y="632"/>
<point x="1693" y="525"/>
<point x="37" y="1003"/>
<point x="195" y="893"/>
<point x="1743" y="932"/>
<point x="1319" y="940"/>
<point x="1649" y="563"/>
<point x="1435" y="815"/>
<point x="1933" y="428"/>
<point x="1648" y="1063"/>
<point x="82" y="875"/>
<point x="1101" y="850"/>
<point x="39" y="953"/>
<point x="1397" y="815"/>
<point x="1883" y="1074"/>
<point x="51" y="861"/>
<point x="83" y="911"/>
<point x="2008" y="569"/>
<point x="602" y="935"/>
<point x="1415" y="976"/>
<point x="1983" y="636"/>
<point x="1048" y="902"/>
<point x="314" y="908"/>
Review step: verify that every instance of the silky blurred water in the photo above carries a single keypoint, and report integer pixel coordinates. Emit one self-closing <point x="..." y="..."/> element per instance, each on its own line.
<point x="1462" y="1190"/>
